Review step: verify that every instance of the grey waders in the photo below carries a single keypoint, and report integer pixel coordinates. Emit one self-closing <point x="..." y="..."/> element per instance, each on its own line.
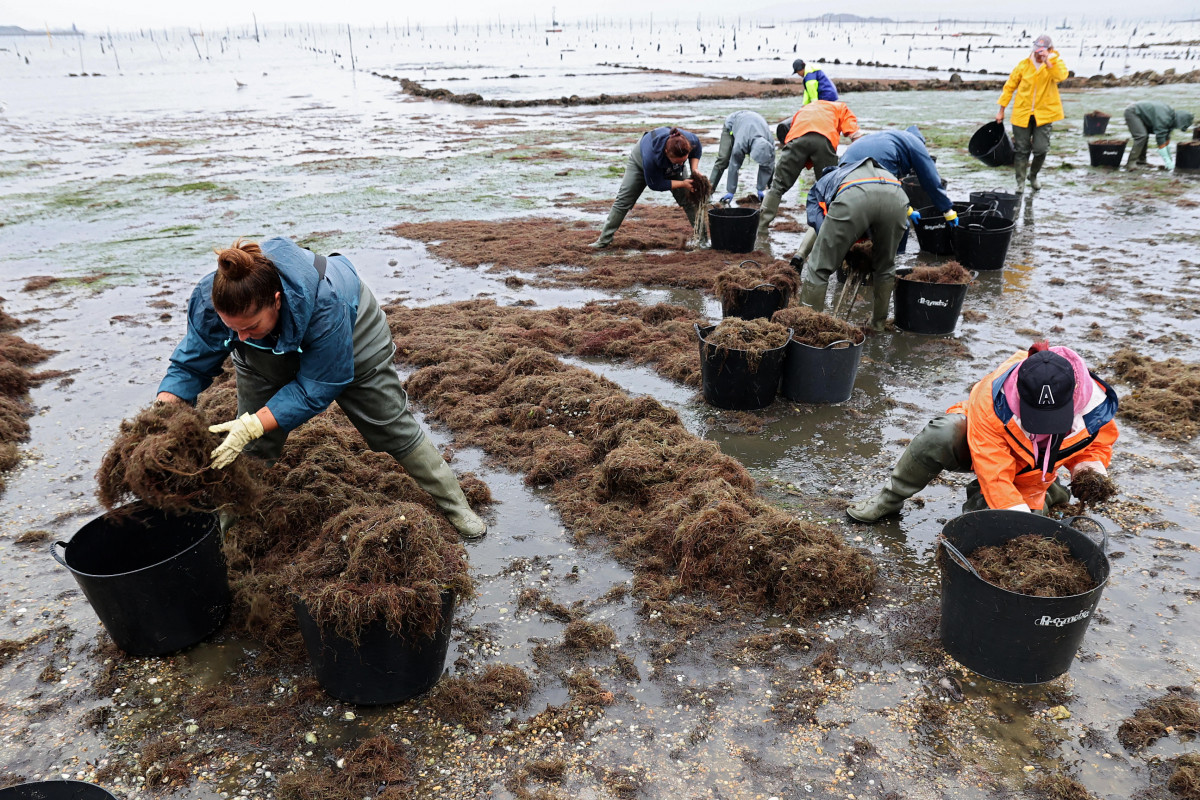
<point x="431" y="472"/>
<point x="941" y="445"/>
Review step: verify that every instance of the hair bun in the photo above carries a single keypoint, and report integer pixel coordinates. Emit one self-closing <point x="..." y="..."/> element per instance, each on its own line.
<point x="237" y="262"/>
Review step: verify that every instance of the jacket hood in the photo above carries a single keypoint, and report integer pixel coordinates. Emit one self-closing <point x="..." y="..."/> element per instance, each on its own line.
<point x="295" y="267"/>
<point x="915" y="131"/>
<point x="762" y="151"/>
<point x="1183" y="120"/>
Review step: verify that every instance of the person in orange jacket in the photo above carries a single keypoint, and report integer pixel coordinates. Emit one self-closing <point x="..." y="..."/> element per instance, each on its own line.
<point x="1033" y="88"/>
<point x="1039" y="411"/>
<point x="811" y="141"/>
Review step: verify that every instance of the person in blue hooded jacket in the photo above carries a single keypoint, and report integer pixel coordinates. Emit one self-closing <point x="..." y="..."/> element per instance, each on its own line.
<point x="304" y="331"/>
<point x="899" y="152"/>
<point x="655" y="162"/>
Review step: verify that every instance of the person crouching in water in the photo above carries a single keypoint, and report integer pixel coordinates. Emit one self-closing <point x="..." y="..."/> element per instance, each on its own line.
<point x="656" y="161"/>
<point x="304" y="331"/>
<point x="1040" y="410"/>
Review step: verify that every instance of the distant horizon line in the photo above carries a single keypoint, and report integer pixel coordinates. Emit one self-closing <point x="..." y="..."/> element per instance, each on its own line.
<point x="583" y="22"/>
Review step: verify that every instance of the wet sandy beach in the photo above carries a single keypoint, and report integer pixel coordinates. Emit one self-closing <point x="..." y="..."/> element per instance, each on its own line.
<point x="141" y="191"/>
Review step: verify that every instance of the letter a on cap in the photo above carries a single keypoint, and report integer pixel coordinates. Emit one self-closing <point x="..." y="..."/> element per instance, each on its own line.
<point x="1046" y="398"/>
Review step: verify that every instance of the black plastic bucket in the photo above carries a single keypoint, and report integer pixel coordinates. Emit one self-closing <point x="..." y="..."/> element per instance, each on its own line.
<point x="820" y="374"/>
<point x="1004" y="202"/>
<point x="56" y="790"/>
<point x="761" y="301"/>
<point x="1095" y="124"/>
<point x="981" y="242"/>
<point x="991" y="145"/>
<point x="733" y="229"/>
<point x="1107" y="153"/>
<point x="934" y="234"/>
<point x="931" y="308"/>
<point x="382" y="667"/>
<point x="1002" y="635"/>
<point x="727" y="380"/>
<point x="1187" y="155"/>
<point x="157" y="582"/>
<point x="917" y="196"/>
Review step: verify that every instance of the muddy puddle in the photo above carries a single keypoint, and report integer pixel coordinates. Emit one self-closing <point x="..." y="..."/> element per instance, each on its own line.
<point x="845" y="703"/>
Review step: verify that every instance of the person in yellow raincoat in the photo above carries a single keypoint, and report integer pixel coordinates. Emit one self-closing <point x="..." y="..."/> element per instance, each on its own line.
<point x="1033" y="88"/>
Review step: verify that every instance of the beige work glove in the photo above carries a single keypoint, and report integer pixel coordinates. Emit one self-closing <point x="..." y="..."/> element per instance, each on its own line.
<point x="1018" y="507"/>
<point x="242" y="431"/>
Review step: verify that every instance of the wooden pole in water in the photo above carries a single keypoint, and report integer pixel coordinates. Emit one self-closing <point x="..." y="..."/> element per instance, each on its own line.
<point x="255" y="16"/>
<point x="351" y="38"/>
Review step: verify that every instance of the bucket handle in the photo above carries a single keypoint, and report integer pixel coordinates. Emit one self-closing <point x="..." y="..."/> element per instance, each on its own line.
<point x="54" y="552"/>
<point x="1070" y="522"/>
<point x="749" y="261"/>
<point x="846" y="342"/>
<point x="956" y="556"/>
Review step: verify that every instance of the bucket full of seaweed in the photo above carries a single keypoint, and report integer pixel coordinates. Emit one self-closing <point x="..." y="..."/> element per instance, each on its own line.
<point x="157" y="581"/>
<point x="750" y="292"/>
<point x="1018" y="591"/>
<point x="822" y="356"/>
<point x="1095" y="123"/>
<point x="741" y="361"/>
<point x="929" y="299"/>
<point x="374" y="596"/>
<point x="1107" y="152"/>
<point x="732" y="229"/>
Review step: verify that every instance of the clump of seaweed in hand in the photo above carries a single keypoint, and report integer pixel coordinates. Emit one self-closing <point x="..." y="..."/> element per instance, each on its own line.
<point x="1032" y="565"/>
<point x="949" y="272"/>
<point x="730" y="283"/>
<point x="816" y="329"/>
<point x="162" y="457"/>
<point x="698" y="195"/>
<point x="858" y="257"/>
<point x="388" y="564"/>
<point x="1090" y="487"/>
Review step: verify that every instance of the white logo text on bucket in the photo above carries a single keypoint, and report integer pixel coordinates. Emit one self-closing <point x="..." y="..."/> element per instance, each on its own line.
<point x="1058" y="622"/>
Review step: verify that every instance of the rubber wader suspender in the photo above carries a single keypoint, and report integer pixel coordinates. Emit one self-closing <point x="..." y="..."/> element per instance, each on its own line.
<point x="320" y="264"/>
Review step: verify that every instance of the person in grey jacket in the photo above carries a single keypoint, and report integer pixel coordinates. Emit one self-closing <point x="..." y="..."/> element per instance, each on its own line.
<point x="744" y="133"/>
<point x="304" y="331"/>
<point x="1151" y="116"/>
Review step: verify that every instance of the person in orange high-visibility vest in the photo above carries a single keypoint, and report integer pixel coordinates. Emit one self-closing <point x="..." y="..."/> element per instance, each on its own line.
<point x="1037" y="412"/>
<point x="1033" y="88"/>
<point x="810" y="142"/>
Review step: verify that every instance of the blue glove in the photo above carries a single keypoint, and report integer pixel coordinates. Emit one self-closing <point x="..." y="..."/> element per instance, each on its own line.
<point x="951" y="217"/>
<point x="727" y="197"/>
<point x="760" y="196"/>
<point x="913" y="216"/>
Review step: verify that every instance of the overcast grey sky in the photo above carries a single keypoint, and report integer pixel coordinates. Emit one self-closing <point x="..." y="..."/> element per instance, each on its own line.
<point x="127" y="14"/>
